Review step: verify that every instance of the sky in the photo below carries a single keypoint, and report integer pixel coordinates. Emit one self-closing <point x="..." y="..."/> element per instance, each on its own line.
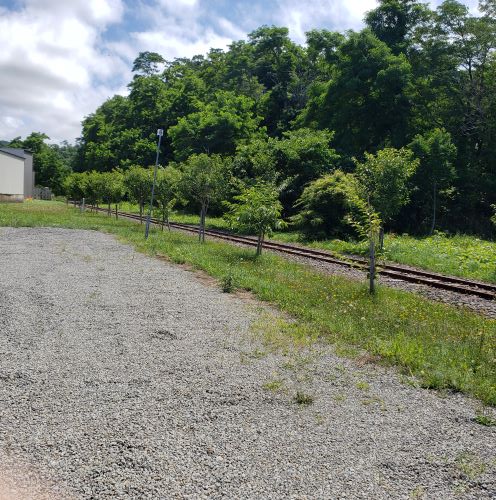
<point x="60" y="59"/>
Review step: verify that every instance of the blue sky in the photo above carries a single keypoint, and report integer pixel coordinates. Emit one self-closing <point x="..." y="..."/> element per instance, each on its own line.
<point x="60" y="59"/>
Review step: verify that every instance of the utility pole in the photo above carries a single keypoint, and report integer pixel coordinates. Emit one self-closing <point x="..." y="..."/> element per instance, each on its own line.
<point x="160" y="133"/>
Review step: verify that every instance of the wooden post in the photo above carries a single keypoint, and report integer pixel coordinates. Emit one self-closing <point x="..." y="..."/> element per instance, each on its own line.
<point x="372" y="265"/>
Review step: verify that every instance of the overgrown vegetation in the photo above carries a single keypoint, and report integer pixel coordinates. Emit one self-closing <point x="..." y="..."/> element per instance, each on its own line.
<point x="458" y="255"/>
<point x="445" y="347"/>
<point x="416" y="83"/>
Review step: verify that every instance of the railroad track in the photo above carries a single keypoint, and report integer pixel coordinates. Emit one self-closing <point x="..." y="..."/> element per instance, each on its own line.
<point x="434" y="280"/>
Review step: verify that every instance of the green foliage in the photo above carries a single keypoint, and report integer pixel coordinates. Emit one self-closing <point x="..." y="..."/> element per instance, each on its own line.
<point x="113" y="189"/>
<point x="303" y="155"/>
<point x="138" y="183"/>
<point x="325" y="205"/>
<point x="394" y="22"/>
<point x="257" y="210"/>
<point x="415" y="77"/>
<point x="436" y="172"/>
<point x="227" y="283"/>
<point x="167" y="191"/>
<point x="75" y="186"/>
<point x="484" y="418"/>
<point x="216" y="128"/>
<point x="303" y="399"/>
<point x="147" y="63"/>
<point x="384" y="177"/>
<point x="369" y="81"/>
<point x="95" y="187"/>
<point x="202" y="180"/>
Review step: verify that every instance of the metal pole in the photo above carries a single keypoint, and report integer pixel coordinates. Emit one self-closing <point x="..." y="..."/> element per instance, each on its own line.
<point x="160" y="133"/>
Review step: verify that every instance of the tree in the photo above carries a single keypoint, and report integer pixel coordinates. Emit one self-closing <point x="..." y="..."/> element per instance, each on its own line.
<point x="257" y="159"/>
<point x="367" y="101"/>
<point x="436" y="153"/>
<point x="138" y="182"/>
<point x="217" y="128"/>
<point x="325" y="206"/>
<point x="393" y="22"/>
<point x="147" y="63"/>
<point x="258" y="210"/>
<point x="367" y="224"/>
<point x="75" y="186"/>
<point x="383" y="178"/>
<point x="94" y="187"/>
<point x="302" y="156"/>
<point x="113" y="188"/>
<point x="201" y="181"/>
<point x="277" y="64"/>
<point x="166" y="191"/>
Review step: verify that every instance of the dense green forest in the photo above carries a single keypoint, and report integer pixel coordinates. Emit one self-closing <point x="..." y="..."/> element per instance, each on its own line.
<point x="410" y="98"/>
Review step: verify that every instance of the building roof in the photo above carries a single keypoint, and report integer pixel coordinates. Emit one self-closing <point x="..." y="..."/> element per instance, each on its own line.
<point x="20" y="153"/>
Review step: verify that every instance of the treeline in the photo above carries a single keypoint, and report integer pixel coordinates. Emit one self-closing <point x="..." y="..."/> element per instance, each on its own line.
<point x="414" y="90"/>
<point x="198" y="182"/>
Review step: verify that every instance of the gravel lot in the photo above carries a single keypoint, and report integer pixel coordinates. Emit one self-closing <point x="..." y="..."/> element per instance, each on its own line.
<point x="106" y="393"/>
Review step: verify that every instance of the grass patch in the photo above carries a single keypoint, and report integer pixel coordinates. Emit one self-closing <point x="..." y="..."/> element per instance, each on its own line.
<point x="459" y="255"/>
<point x="227" y="283"/>
<point x="483" y="417"/>
<point x="303" y="399"/>
<point x="444" y="347"/>
<point x="362" y="385"/>
<point x="273" y="385"/>
<point x="470" y="465"/>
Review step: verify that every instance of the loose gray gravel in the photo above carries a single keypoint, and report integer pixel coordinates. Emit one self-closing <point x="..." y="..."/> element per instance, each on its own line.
<point x="124" y="376"/>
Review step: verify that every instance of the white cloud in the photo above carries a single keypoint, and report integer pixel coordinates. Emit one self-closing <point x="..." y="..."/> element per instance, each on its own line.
<point x="50" y="62"/>
<point x="56" y="65"/>
<point x="300" y="17"/>
<point x="178" y="28"/>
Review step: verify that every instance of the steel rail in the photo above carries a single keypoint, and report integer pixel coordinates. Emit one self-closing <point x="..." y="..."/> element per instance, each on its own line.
<point x="434" y="280"/>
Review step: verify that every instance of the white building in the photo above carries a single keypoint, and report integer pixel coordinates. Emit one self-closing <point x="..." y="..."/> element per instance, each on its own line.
<point x="16" y="174"/>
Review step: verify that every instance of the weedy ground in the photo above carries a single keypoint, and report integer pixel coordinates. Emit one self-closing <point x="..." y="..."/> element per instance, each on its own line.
<point x="458" y="255"/>
<point x="444" y="347"/>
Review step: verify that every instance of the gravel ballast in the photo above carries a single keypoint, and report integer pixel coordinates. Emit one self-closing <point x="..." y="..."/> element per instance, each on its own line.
<point x="124" y="376"/>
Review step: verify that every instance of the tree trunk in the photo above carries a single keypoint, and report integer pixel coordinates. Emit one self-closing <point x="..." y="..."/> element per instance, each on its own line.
<point x="163" y="221"/>
<point x="116" y="216"/>
<point x="200" y="225"/>
<point x="381" y="238"/>
<point x="203" y="216"/>
<point x="372" y="265"/>
<point x="109" y="210"/>
<point x="203" y="224"/>
<point x="434" y="200"/>
<point x="141" y="211"/>
<point x="260" y="242"/>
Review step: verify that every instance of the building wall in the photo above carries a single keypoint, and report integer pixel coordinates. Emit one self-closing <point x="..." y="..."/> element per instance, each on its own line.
<point x="11" y="177"/>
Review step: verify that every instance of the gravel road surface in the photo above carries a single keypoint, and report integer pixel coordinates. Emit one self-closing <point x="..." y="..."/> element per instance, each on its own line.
<point x="123" y="376"/>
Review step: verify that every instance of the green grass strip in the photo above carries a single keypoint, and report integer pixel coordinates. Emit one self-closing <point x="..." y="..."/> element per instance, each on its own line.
<point x="445" y="347"/>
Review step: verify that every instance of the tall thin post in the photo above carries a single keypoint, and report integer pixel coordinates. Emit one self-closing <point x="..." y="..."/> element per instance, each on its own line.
<point x="372" y="263"/>
<point x="160" y="133"/>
